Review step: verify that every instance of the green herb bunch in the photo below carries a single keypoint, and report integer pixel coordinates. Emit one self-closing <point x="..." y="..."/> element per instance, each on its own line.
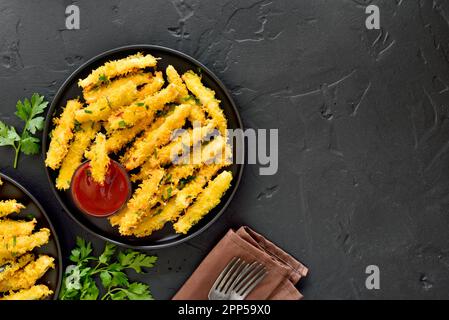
<point x="81" y="280"/>
<point x="30" y="112"/>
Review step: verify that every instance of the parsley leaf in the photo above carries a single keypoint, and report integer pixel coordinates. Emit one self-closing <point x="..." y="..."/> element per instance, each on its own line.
<point x="81" y="283"/>
<point x="29" y="111"/>
<point x="136" y="260"/>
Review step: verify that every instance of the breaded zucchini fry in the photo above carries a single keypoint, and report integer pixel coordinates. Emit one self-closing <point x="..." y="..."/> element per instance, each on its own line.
<point x="174" y="78"/>
<point x="130" y="115"/>
<point x="207" y="99"/>
<point x="28" y="276"/>
<point x="143" y="199"/>
<point x="143" y="148"/>
<point x="9" y="228"/>
<point x="10" y="268"/>
<point x="137" y="79"/>
<point x="62" y="134"/>
<point x="169" y="153"/>
<point x="158" y="217"/>
<point x="10" y="206"/>
<point x="38" y="292"/>
<point x="102" y="108"/>
<point x="206" y="201"/>
<point x="16" y="246"/>
<point x="156" y="84"/>
<point x="99" y="159"/>
<point x="117" y="68"/>
<point x="119" y="138"/>
<point x="74" y="157"/>
<point x="197" y="115"/>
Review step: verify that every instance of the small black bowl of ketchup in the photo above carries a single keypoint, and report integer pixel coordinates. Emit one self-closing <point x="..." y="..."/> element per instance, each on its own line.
<point x="100" y="200"/>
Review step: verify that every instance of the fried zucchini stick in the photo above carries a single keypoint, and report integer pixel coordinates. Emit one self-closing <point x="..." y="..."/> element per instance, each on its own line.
<point x="158" y="217"/>
<point x="62" y="134"/>
<point x="99" y="159"/>
<point x="102" y="108"/>
<point x="156" y="84"/>
<point x="28" y="276"/>
<point x="130" y="115"/>
<point x="206" y="201"/>
<point x="10" y="206"/>
<point x="9" y="228"/>
<point x="15" y="265"/>
<point x="138" y="79"/>
<point x="169" y="153"/>
<point x="16" y="246"/>
<point x="174" y="78"/>
<point x="207" y="99"/>
<point x="117" y="68"/>
<point x="38" y="292"/>
<point x="143" y="148"/>
<point x="144" y="198"/>
<point x="118" y="139"/>
<point x="74" y="157"/>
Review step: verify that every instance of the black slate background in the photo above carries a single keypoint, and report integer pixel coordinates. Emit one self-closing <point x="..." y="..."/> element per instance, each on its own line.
<point x="363" y="117"/>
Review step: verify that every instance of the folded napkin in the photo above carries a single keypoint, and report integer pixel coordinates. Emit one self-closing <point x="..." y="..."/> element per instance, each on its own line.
<point x="284" y="271"/>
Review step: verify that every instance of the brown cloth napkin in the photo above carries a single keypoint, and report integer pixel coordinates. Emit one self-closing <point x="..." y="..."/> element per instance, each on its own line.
<point x="284" y="271"/>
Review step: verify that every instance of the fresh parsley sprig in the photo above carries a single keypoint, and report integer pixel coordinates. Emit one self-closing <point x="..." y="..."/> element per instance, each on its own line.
<point x="80" y="280"/>
<point x="29" y="111"/>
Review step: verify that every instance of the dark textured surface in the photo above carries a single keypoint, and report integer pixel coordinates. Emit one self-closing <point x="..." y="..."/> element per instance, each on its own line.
<point x="363" y="118"/>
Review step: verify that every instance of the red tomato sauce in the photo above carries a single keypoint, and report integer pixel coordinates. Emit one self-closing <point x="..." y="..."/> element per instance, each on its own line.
<point x="100" y="200"/>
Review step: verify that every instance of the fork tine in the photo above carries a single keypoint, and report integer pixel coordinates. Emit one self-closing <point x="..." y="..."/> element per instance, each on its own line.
<point x="235" y="275"/>
<point x="228" y="274"/>
<point x="256" y="280"/>
<point x="242" y="274"/>
<point x="254" y="268"/>
<point x="224" y="272"/>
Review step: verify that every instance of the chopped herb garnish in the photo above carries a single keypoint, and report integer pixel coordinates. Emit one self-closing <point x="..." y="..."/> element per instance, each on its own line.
<point x="158" y="212"/>
<point x="168" y="178"/>
<point x="140" y="104"/>
<point x="122" y="124"/>
<point x="87" y="111"/>
<point x="14" y="241"/>
<point x="103" y="79"/>
<point x="184" y="181"/>
<point x="29" y="216"/>
<point x="77" y="126"/>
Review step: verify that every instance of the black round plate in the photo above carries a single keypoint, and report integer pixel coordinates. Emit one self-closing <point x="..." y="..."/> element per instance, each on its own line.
<point x="101" y="226"/>
<point x="13" y="190"/>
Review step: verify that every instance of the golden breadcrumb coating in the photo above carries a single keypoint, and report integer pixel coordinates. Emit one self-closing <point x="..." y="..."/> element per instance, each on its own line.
<point x="38" y="292"/>
<point x="117" y="68"/>
<point x="143" y="148"/>
<point x="62" y="134"/>
<point x="12" y="266"/>
<point x="15" y="246"/>
<point x="9" y="228"/>
<point x="28" y="276"/>
<point x="99" y="159"/>
<point x="144" y="198"/>
<point x="208" y="199"/>
<point x="156" y="84"/>
<point x="130" y="115"/>
<point x="118" y="139"/>
<point x="73" y="160"/>
<point x="158" y="217"/>
<point x="10" y="206"/>
<point x="174" y="78"/>
<point x="102" y="108"/>
<point x="207" y="99"/>
<point x="137" y="79"/>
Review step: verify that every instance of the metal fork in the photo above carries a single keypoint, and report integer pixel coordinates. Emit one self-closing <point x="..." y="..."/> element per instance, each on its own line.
<point x="237" y="280"/>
